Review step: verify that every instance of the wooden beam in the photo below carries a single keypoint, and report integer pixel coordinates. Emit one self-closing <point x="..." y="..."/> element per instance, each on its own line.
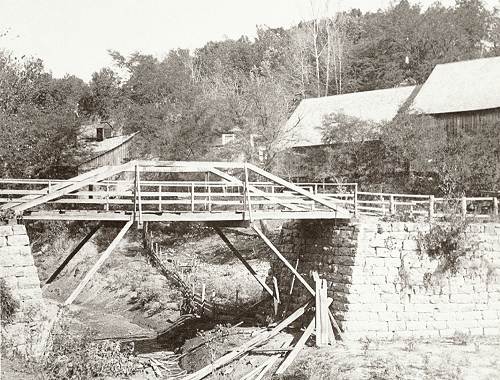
<point x="73" y="253"/>
<point x="249" y="345"/>
<point x="284" y="260"/>
<point x="243" y="260"/>
<point x="298" y="346"/>
<point x="68" y="189"/>
<point x="98" y="264"/>
<point x="343" y="213"/>
<point x="57" y="186"/>
<point x="255" y="190"/>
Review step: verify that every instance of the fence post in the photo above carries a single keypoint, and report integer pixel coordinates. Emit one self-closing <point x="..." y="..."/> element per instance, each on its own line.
<point x="495" y="206"/>
<point x="392" y="205"/>
<point x="464" y="206"/>
<point x="431" y="206"/>
<point x="355" y="196"/>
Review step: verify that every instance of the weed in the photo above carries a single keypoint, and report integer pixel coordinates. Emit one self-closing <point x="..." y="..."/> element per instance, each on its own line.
<point x="411" y="345"/>
<point x="365" y="344"/>
<point x="76" y="356"/>
<point x="8" y="305"/>
<point x="446" y="242"/>
<point x="461" y="339"/>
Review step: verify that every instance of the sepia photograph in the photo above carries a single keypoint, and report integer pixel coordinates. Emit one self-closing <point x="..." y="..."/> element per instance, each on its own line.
<point x="249" y="190"/>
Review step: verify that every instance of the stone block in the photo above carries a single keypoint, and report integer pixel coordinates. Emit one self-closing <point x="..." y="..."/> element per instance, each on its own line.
<point x="19" y="229"/>
<point x="16" y="240"/>
<point x="410" y="245"/>
<point x="436" y="325"/>
<point x="415" y="325"/>
<point x="387" y="316"/>
<point x="6" y="231"/>
<point x="397" y="307"/>
<point x="489" y="331"/>
<point x="3" y="241"/>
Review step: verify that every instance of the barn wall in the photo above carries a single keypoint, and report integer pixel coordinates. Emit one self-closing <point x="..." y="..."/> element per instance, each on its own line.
<point x="116" y="156"/>
<point x="468" y="121"/>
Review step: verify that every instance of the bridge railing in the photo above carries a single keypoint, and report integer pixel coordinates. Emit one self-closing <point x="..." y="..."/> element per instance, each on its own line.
<point x="385" y="204"/>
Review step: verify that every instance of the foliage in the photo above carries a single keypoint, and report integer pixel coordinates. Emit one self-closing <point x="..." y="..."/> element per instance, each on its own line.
<point x="451" y="164"/>
<point x="38" y="125"/>
<point x="446" y="242"/>
<point x="77" y="356"/>
<point x="353" y="151"/>
<point x="8" y="305"/>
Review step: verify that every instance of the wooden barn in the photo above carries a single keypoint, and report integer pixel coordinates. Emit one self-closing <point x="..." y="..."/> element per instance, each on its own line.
<point x="462" y="95"/>
<point x="107" y="146"/>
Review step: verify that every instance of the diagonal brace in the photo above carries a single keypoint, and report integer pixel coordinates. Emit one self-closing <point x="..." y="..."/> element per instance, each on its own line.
<point x="297" y="274"/>
<point x="99" y="263"/>
<point x="243" y="260"/>
<point x="73" y="253"/>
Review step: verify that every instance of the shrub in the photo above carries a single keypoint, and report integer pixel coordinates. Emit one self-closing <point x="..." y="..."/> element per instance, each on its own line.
<point x="446" y="242"/>
<point x="8" y="304"/>
<point x="76" y="356"/>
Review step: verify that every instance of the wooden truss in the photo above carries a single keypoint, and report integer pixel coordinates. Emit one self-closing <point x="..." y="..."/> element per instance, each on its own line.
<point x="145" y="191"/>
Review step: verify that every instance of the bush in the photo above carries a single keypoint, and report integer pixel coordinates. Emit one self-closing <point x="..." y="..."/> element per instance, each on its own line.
<point x="446" y="242"/>
<point x="76" y="356"/>
<point x="9" y="305"/>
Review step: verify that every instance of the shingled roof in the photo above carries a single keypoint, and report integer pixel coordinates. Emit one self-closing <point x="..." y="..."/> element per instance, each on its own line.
<point x="305" y="124"/>
<point x="460" y="86"/>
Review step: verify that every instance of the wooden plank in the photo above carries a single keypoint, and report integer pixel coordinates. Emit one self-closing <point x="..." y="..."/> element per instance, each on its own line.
<point x="293" y="277"/>
<point x="243" y="260"/>
<point x="298" y="346"/>
<point x="59" y="186"/>
<point x="58" y="193"/>
<point x="249" y="345"/>
<point x="65" y="262"/>
<point x="283" y="260"/>
<point x="178" y="216"/>
<point x="98" y="264"/>
<point x="343" y="213"/>
<point x="255" y="190"/>
<point x="276" y="295"/>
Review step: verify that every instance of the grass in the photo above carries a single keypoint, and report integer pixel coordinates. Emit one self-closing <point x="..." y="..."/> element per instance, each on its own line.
<point x="8" y="305"/>
<point x="455" y="358"/>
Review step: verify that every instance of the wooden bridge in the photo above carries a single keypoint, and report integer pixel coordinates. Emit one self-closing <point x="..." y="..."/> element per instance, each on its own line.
<point x="156" y="191"/>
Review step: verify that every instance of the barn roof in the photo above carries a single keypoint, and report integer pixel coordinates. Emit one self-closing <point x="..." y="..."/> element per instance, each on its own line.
<point x="304" y="127"/>
<point x="460" y="86"/>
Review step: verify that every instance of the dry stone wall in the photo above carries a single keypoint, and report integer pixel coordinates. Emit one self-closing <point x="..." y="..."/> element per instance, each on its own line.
<point x="383" y="286"/>
<point x="28" y="331"/>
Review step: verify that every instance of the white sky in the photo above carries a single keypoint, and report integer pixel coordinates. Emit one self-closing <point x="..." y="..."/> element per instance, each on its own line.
<point x="73" y="36"/>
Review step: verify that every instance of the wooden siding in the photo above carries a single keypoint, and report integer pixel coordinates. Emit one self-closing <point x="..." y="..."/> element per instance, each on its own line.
<point x="115" y="156"/>
<point x="468" y="121"/>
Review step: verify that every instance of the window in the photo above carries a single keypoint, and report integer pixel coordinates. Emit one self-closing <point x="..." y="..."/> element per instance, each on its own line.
<point x="227" y="138"/>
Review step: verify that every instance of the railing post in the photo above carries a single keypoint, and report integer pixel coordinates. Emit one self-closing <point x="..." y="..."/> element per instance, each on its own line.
<point x="106" y="207"/>
<point x="355" y="198"/>
<point x="192" y="196"/>
<point x="431" y="207"/>
<point x="392" y="205"/>
<point x="495" y="206"/>
<point x="247" y="194"/>
<point x="464" y="206"/>
<point x="209" y="194"/>
<point x="160" y="189"/>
